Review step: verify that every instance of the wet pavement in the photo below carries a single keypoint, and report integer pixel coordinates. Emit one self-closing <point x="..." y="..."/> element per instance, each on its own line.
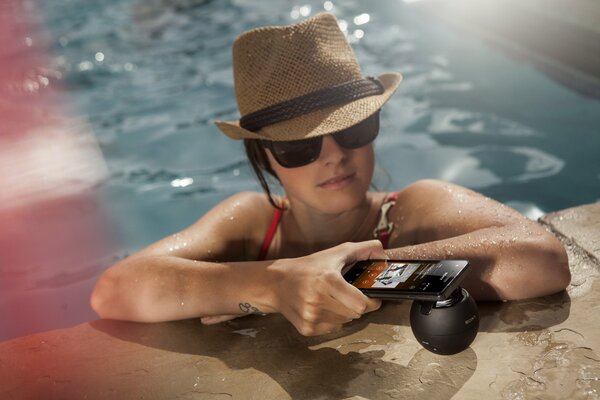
<point x="544" y="348"/>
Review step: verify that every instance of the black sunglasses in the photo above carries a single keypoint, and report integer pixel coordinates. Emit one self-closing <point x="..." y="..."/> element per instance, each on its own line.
<point x="297" y="153"/>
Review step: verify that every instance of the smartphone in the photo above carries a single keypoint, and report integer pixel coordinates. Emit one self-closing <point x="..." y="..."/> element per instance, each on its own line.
<point x="432" y="280"/>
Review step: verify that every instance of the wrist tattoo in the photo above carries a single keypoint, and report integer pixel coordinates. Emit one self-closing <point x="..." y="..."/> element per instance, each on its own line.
<point x="248" y="308"/>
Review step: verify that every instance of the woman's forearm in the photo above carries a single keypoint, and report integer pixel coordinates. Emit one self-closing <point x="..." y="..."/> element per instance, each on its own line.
<point x="508" y="262"/>
<point x="163" y="288"/>
<point x="309" y="291"/>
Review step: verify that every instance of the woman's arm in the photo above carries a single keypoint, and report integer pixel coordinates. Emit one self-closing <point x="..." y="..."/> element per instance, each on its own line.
<point x="309" y="291"/>
<point x="512" y="257"/>
<point x="180" y="277"/>
<point x="167" y="280"/>
<point x="158" y="288"/>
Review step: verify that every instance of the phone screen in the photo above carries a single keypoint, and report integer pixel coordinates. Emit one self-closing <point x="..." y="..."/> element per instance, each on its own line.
<point x="422" y="279"/>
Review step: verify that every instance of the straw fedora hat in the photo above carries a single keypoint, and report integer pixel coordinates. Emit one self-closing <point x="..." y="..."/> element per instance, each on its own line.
<point x="300" y="81"/>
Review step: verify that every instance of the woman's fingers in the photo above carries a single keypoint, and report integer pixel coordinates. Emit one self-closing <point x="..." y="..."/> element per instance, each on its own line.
<point x="371" y="249"/>
<point x="311" y="320"/>
<point x="326" y="316"/>
<point x="374" y="305"/>
<point x="313" y="295"/>
<point x="332" y="312"/>
<point x="331" y="282"/>
<point x="347" y="300"/>
<point x="309" y="328"/>
<point x="353" y="299"/>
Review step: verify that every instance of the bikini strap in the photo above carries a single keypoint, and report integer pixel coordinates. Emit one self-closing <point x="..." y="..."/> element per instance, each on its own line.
<point x="264" y="249"/>
<point x="384" y="228"/>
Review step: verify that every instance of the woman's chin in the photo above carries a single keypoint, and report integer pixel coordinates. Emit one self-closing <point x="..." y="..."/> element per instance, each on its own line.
<point x="338" y="202"/>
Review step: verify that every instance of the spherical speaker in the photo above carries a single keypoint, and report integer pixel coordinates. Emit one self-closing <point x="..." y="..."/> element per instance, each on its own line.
<point x="448" y="326"/>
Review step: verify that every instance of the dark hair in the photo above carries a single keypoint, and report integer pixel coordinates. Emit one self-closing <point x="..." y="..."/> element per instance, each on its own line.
<point x="260" y="162"/>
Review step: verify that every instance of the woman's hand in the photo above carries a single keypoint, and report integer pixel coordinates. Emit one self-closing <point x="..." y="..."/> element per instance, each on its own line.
<point x="312" y="294"/>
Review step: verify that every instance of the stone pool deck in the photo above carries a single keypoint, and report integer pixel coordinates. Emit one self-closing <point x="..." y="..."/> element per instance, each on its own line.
<point x="545" y="348"/>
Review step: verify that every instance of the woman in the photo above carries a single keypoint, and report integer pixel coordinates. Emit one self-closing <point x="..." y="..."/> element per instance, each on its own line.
<point x="309" y="118"/>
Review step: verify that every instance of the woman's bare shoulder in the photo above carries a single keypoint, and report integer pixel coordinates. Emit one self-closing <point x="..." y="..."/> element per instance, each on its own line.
<point x="227" y="232"/>
<point x="433" y="209"/>
<point x="252" y="204"/>
<point x="428" y="194"/>
<point x="427" y="186"/>
<point x="415" y="204"/>
<point x="242" y="216"/>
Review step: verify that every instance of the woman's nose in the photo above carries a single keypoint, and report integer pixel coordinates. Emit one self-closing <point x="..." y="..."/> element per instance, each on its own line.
<point x="331" y="151"/>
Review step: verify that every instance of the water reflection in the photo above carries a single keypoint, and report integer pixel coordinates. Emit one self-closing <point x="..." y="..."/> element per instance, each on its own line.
<point x="518" y="164"/>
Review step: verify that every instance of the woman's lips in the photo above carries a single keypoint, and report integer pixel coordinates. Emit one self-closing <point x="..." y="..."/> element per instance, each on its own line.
<point x="337" y="182"/>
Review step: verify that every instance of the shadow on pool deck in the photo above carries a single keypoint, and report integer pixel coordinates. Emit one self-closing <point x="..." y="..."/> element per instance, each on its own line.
<point x="303" y="367"/>
<point x="351" y="362"/>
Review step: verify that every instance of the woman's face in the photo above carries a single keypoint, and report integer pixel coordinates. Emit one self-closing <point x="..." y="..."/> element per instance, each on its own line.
<point x="336" y="182"/>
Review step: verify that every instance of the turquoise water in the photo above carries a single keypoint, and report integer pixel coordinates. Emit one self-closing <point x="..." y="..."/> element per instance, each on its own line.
<point x="150" y="76"/>
<point x="465" y="112"/>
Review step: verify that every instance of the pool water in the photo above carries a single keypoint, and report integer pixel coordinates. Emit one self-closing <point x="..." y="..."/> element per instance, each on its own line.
<point x="150" y="76"/>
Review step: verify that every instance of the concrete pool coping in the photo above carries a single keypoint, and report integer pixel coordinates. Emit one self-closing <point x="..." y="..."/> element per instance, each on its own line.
<point x="543" y="348"/>
<point x="562" y="39"/>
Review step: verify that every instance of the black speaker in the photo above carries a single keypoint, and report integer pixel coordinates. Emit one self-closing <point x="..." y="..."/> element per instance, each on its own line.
<point x="448" y="326"/>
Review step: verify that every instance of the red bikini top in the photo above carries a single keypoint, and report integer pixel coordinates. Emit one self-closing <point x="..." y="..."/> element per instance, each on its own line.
<point x="270" y="234"/>
<point x="382" y="231"/>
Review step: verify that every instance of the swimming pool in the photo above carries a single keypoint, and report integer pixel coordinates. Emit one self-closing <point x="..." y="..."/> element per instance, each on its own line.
<point x="150" y="76"/>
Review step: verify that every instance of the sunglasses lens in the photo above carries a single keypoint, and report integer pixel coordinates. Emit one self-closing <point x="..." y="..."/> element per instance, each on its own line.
<point x="296" y="153"/>
<point x="359" y="135"/>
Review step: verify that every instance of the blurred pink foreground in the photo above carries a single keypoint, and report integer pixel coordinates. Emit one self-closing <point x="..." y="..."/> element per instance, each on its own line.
<point x="53" y="236"/>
